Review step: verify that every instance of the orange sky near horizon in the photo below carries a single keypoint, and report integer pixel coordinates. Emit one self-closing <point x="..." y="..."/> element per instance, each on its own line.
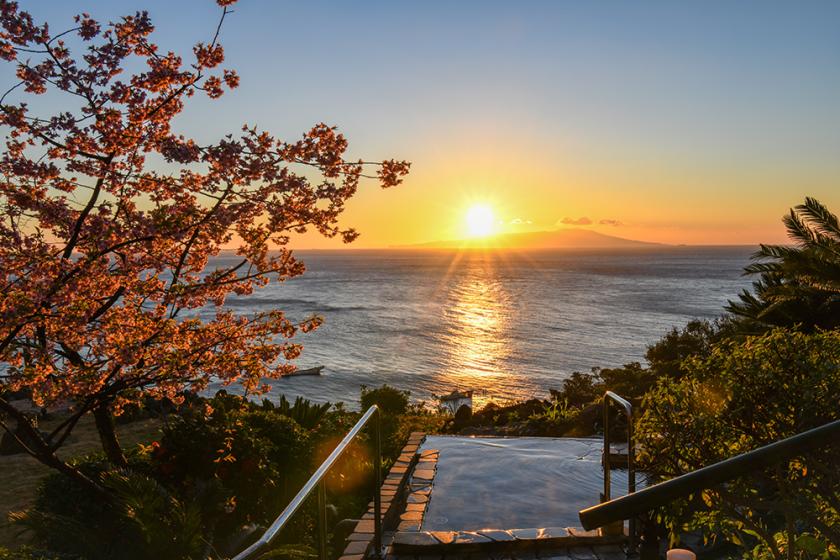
<point x="668" y="202"/>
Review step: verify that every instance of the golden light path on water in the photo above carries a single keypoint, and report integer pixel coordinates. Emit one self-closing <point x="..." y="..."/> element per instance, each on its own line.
<point x="478" y="317"/>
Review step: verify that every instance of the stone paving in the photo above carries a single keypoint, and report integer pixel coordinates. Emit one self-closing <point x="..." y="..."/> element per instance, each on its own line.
<point x="594" y="552"/>
<point x="420" y="489"/>
<point x="392" y="495"/>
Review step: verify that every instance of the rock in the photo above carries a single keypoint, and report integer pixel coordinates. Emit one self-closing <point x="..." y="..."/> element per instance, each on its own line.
<point x="463" y="416"/>
<point x="341" y="531"/>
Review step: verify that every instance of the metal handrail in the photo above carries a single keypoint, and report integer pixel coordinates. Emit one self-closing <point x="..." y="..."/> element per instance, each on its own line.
<point x="651" y="497"/>
<point x="317" y="481"/>
<point x="631" y="468"/>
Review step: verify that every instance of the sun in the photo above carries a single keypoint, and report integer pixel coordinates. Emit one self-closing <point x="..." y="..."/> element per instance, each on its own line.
<point x="479" y="220"/>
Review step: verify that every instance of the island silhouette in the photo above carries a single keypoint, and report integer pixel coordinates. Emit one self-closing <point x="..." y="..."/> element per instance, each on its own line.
<point x="572" y="238"/>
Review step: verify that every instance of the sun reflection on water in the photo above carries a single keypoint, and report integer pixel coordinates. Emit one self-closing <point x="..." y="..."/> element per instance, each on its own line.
<point x="478" y="322"/>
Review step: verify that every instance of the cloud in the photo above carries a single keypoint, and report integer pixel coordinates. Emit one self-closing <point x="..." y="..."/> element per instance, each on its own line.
<point x="582" y="221"/>
<point x="614" y="223"/>
<point x="519" y="222"/>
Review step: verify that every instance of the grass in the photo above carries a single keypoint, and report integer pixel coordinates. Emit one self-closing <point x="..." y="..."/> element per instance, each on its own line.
<point x="22" y="474"/>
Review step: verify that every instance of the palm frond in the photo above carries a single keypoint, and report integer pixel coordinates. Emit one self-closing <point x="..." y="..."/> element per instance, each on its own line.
<point x="820" y="218"/>
<point x="798" y="230"/>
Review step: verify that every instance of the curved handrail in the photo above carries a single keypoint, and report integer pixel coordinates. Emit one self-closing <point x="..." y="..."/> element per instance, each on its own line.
<point x="631" y="452"/>
<point x="316" y="480"/>
<point x="631" y="505"/>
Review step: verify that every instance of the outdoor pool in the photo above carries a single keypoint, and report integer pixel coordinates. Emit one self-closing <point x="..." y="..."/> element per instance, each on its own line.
<point x="521" y="482"/>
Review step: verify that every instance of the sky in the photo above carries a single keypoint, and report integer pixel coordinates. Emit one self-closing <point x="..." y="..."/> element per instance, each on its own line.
<point x="677" y="122"/>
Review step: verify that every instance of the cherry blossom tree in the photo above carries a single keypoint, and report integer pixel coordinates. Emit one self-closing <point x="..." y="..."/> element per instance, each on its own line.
<point x="104" y="250"/>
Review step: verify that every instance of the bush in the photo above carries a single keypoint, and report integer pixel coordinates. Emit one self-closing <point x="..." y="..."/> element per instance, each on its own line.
<point x="143" y="520"/>
<point x="222" y="465"/>
<point x="391" y="401"/>
<point x="556" y="418"/>
<point x="67" y="518"/>
<point x="246" y="461"/>
<point x="741" y="396"/>
<point x="26" y="553"/>
<point x="579" y="389"/>
<point x="666" y="357"/>
<point x="631" y="381"/>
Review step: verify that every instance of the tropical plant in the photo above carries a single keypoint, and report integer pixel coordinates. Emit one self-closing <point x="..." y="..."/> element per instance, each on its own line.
<point x="745" y="394"/>
<point x="144" y="520"/>
<point x="555" y="418"/>
<point x="222" y="470"/>
<point x="798" y="284"/>
<point x="104" y="258"/>
<point x="306" y="413"/>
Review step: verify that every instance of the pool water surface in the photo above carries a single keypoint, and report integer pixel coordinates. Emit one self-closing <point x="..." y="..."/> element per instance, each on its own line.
<point x="509" y="483"/>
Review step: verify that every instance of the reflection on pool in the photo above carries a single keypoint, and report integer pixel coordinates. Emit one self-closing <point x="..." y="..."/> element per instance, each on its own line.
<point x="508" y="483"/>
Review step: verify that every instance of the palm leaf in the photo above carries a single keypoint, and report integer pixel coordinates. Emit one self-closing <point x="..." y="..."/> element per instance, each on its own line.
<point x="820" y="218"/>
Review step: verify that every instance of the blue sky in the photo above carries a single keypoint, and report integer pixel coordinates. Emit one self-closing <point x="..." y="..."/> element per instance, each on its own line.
<point x="677" y="113"/>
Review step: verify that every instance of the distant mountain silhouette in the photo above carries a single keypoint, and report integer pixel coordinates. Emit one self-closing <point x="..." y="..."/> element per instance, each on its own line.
<point x="559" y="239"/>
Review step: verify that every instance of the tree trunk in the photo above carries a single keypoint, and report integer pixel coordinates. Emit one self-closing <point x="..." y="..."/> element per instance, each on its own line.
<point x="108" y="436"/>
<point x="40" y="449"/>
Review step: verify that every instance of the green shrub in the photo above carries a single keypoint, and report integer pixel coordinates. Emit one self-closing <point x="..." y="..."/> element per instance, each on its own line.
<point x="555" y="419"/>
<point x="391" y="401"/>
<point x="579" y="389"/>
<point x="27" y="553"/>
<point x="249" y="458"/>
<point x="221" y="464"/>
<point x="741" y="396"/>
<point x="631" y="381"/>
<point x="67" y="518"/>
<point x="666" y="356"/>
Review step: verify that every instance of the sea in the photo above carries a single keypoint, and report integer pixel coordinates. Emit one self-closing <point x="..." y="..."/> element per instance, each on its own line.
<point x="506" y="324"/>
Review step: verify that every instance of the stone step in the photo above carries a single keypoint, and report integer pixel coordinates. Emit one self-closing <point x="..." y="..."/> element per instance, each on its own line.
<point x="498" y="540"/>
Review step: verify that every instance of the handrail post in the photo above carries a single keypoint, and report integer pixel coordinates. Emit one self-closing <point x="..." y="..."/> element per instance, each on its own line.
<point x="316" y="483"/>
<point x="631" y="478"/>
<point x="377" y="498"/>
<point x="631" y="472"/>
<point x="322" y="520"/>
<point x="606" y="451"/>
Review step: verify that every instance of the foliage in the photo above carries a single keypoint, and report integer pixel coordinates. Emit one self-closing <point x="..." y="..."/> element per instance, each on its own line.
<point x="68" y="518"/>
<point x="253" y="454"/>
<point x="798" y="285"/>
<point x="391" y="401"/>
<point x="27" y="553"/>
<point x="579" y="389"/>
<point x="306" y="413"/>
<point x="103" y="258"/>
<point x="169" y="527"/>
<point x="223" y="467"/>
<point x="631" y="381"/>
<point x="144" y="521"/>
<point x="291" y="552"/>
<point x="666" y="356"/>
<point x="556" y="418"/>
<point x="743" y="395"/>
<point x="392" y="404"/>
